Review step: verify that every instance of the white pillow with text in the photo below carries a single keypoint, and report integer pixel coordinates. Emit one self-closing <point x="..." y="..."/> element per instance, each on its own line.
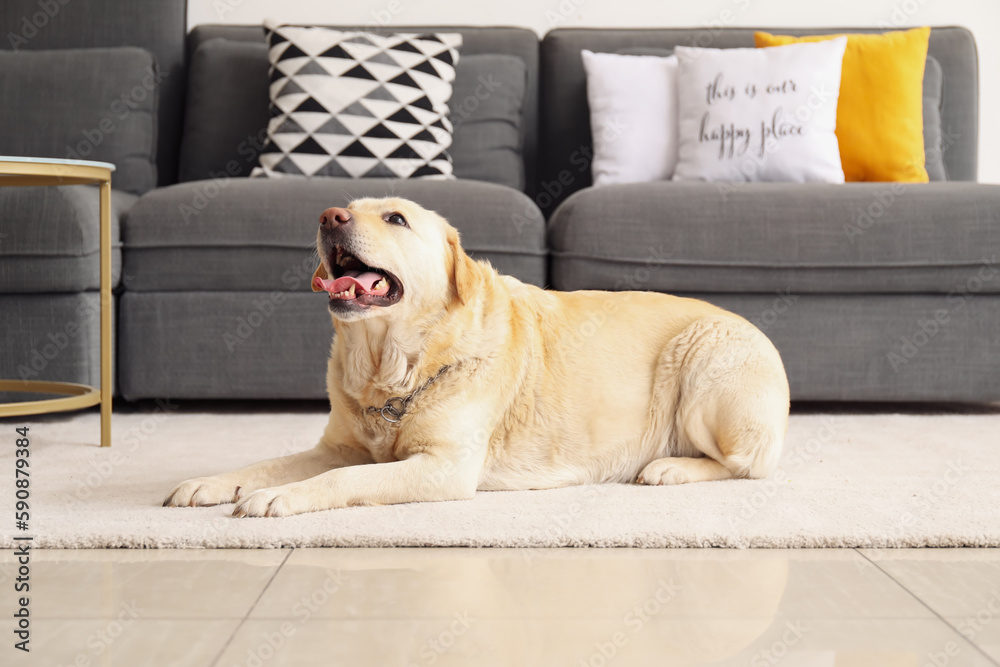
<point x="760" y="114"/>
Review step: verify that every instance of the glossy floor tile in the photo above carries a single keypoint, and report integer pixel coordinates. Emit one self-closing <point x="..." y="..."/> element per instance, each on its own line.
<point x="583" y="583"/>
<point x="127" y="642"/>
<point x="952" y="582"/>
<point x="484" y="607"/>
<point x="962" y="585"/>
<point x="467" y="640"/>
<point x="159" y="583"/>
<point x="982" y="630"/>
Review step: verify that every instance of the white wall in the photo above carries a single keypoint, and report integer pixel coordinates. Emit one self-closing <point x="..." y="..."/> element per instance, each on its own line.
<point x="981" y="16"/>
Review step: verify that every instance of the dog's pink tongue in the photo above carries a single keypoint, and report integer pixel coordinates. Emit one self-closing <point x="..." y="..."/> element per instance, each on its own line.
<point x="364" y="283"/>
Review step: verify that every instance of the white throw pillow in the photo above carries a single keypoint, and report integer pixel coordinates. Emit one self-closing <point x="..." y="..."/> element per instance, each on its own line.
<point x="760" y="114"/>
<point x="633" y="116"/>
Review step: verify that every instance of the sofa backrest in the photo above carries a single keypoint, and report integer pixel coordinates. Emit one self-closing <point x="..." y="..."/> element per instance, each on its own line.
<point x="565" y="116"/>
<point x="517" y="42"/>
<point x="83" y="104"/>
<point x="158" y="27"/>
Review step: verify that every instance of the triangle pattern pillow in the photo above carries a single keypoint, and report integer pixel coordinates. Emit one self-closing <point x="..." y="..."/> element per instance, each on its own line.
<point x="359" y="105"/>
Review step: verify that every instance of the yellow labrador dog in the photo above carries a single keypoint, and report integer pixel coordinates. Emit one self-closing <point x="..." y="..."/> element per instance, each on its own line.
<point x="447" y="378"/>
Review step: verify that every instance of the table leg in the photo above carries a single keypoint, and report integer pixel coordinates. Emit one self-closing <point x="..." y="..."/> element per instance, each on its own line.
<point x="105" y="314"/>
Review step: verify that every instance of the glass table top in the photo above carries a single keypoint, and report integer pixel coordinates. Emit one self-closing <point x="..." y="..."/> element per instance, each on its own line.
<point x="49" y="160"/>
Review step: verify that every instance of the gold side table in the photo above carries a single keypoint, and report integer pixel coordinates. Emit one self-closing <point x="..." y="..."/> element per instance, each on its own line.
<point x="21" y="172"/>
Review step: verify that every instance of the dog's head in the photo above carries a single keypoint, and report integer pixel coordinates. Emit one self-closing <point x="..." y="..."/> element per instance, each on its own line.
<point x="387" y="258"/>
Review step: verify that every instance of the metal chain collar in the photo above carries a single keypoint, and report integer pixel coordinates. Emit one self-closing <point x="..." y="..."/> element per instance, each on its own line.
<point x="395" y="407"/>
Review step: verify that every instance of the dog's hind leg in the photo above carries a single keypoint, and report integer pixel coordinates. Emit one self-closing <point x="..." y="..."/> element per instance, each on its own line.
<point x="731" y="405"/>
<point x="681" y="470"/>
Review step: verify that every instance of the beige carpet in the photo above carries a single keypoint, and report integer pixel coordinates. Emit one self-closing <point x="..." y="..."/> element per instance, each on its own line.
<point x="845" y="481"/>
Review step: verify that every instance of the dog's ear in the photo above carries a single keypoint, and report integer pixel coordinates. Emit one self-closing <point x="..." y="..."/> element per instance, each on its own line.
<point x="463" y="273"/>
<point x="320" y="272"/>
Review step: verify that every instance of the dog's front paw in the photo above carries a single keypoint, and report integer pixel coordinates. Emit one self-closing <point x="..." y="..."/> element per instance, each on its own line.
<point x="277" y="501"/>
<point x="202" y="492"/>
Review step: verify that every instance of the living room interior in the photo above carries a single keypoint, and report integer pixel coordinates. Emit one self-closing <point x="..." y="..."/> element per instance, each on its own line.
<point x="828" y="173"/>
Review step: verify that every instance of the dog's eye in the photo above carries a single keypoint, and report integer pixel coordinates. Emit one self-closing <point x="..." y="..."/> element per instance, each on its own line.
<point x="397" y="219"/>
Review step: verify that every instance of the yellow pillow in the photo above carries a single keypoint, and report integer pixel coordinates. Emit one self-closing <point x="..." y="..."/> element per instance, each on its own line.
<point x="880" y="115"/>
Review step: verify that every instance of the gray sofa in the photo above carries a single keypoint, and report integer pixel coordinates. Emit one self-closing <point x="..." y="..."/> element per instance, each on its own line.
<point x="214" y="300"/>
<point x="870" y="291"/>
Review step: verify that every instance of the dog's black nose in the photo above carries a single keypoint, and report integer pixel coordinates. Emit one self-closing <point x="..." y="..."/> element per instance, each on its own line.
<point x="335" y="217"/>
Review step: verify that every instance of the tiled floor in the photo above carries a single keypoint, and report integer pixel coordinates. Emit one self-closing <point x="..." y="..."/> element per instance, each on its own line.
<point x="574" y="607"/>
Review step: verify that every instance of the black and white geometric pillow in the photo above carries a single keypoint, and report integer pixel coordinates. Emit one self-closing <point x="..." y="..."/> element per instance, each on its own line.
<point x="359" y="105"/>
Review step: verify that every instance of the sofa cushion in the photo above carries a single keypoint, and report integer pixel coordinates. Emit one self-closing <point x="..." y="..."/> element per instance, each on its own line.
<point x="879" y="347"/>
<point x="259" y="234"/>
<point x="487" y="105"/>
<point x="50" y="238"/>
<point x="226" y="119"/>
<point x="646" y="51"/>
<point x="933" y="136"/>
<point x="85" y="104"/>
<point x="765" y="237"/>
<point x="58" y="338"/>
<point x="879" y="114"/>
<point x="725" y="95"/>
<point x="159" y="27"/>
<point x="360" y="105"/>
<point x="227" y="113"/>
<point x="634" y="110"/>
<point x="252" y="345"/>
